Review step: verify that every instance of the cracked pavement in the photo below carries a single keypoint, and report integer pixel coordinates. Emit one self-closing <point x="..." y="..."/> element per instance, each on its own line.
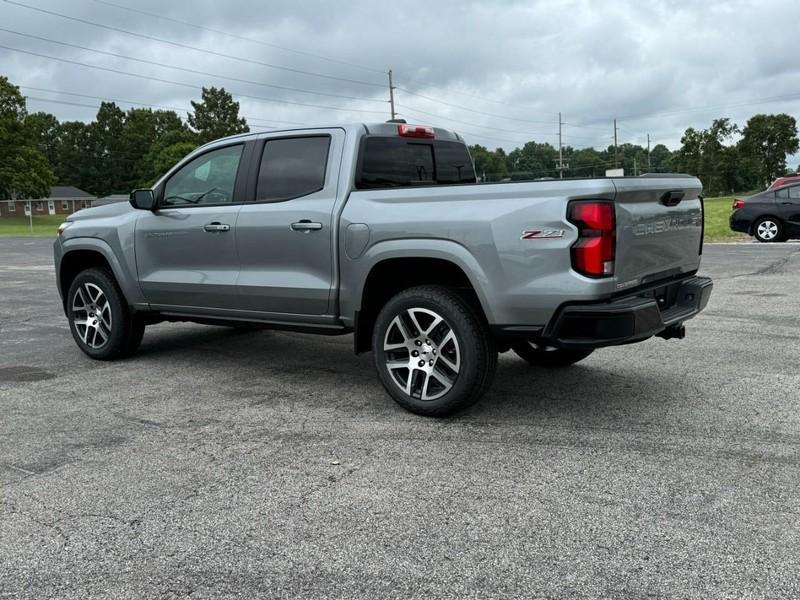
<point x="219" y="463"/>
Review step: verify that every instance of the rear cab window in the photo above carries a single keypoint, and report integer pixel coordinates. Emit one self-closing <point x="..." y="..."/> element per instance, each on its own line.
<point x="386" y="162"/>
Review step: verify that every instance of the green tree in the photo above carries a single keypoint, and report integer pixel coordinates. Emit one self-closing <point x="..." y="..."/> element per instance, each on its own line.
<point x="584" y="162"/>
<point x="767" y="139"/>
<point x="173" y="140"/>
<point x="111" y="163"/>
<point x="43" y="129"/>
<point x="532" y="161"/>
<point x="704" y="153"/>
<point x="660" y="157"/>
<point x="166" y="158"/>
<point x="74" y="161"/>
<point x="216" y="116"/>
<point x="489" y="165"/>
<point x="24" y="170"/>
<point x="687" y="158"/>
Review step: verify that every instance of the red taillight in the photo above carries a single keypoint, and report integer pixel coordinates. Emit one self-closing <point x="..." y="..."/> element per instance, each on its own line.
<point x="415" y="131"/>
<point x="593" y="253"/>
<point x="738" y="204"/>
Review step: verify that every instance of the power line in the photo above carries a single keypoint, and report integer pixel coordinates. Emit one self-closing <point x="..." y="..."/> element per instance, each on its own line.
<point x="182" y="84"/>
<point x="478" y="112"/>
<point x="189" y="47"/>
<point x="585" y="127"/>
<point x="239" y="37"/>
<point x="766" y="100"/>
<point x="518" y="142"/>
<point x="186" y="69"/>
<point x="489" y="100"/>
<point x="471" y="123"/>
<point x="157" y="106"/>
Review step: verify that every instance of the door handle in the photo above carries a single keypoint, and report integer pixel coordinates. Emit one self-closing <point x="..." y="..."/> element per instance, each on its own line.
<point x="306" y="226"/>
<point x="672" y="198"/>
<point x="216" y="227"/>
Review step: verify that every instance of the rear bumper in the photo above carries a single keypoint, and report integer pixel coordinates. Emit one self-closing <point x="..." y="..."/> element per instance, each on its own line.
<point x="739" y="224"/>
<point x="628" y="319"/>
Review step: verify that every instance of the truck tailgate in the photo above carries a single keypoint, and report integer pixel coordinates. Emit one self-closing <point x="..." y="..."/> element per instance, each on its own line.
<point x="659" y="228"/>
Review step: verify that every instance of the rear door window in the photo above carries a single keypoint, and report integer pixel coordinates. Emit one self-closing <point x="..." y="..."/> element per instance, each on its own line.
<point x="292" y="167"/>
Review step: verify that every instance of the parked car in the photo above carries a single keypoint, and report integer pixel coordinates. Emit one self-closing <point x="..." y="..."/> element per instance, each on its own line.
<point x="781" y="181"/>
<point x="771" y="216"/>
<point x="381" y="231"/>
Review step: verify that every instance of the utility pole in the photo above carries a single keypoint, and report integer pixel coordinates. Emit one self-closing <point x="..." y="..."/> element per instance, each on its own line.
<point x="391" y="95"/>
<point x="635" y="167"/>
<point x="616" y="161"/>
<point x="649" y="168"/>
<point x="561" y="166"/>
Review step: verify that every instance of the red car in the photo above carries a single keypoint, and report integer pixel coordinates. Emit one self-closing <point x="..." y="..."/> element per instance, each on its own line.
<point x="780" y="181"/>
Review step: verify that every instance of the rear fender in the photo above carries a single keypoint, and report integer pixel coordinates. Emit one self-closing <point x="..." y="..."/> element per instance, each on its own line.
<point x="354" y="280"/>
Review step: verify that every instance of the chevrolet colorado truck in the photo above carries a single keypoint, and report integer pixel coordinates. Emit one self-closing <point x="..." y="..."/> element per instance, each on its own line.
<point x="383" y="231"/>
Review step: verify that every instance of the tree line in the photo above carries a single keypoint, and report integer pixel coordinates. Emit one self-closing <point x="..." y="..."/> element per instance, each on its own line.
<point x="726" y="157"/>
<point x="122" y="150"/>
<point x="117" y="152"/>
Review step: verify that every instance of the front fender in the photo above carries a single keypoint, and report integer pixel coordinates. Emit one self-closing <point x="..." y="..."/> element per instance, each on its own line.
<point x="355" y="272"/>
<point x="124" y="271"/>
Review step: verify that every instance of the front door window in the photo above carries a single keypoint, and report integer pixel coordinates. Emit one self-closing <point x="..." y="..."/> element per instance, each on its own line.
<point x="208" y="179"/>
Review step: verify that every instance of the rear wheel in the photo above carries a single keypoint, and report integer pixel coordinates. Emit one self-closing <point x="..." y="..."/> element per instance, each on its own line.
<point x="432" y="351"/>
<point x="99" y="318"/>
<point x="548" y="356"/>
<point x="768" y="230"/>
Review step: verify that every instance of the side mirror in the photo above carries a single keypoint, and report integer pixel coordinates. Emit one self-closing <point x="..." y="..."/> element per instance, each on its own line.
<point x="143" y="199"/>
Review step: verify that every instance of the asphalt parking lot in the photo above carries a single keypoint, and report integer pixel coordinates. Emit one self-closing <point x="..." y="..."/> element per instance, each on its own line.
<point x="220" y="463"/>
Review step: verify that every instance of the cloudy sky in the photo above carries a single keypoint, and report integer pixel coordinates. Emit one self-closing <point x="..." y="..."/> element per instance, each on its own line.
<point x="498" y="71"/>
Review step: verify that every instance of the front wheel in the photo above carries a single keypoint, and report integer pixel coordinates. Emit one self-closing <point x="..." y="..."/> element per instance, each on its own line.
<point x="548" y="356"/>
<point x="99" y="318"/>
<point x="768" y="230"/>
<point x="433" y="352"/>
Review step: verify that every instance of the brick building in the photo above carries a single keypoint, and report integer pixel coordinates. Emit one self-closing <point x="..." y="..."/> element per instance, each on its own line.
<point x="63" y="199"/>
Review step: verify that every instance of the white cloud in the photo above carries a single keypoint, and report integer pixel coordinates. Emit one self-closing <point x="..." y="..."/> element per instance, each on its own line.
<point x="657" y="66"/>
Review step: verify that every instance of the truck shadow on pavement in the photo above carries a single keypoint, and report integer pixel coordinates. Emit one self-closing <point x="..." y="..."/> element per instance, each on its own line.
<point x="318" y="371"/>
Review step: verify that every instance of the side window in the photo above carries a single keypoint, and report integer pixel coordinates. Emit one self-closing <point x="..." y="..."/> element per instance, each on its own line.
<point x="292" y="167"/>
<point x="794" y="192"/>
<point x="782" y="193"/>
<point x="208" y="179"/>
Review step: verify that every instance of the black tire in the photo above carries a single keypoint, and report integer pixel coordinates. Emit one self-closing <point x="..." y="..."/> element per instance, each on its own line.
<point x="471" y="348"/>
<point x="126" y="328"/>
<point x="768" y="230"/>
<point x="549" y="357"/>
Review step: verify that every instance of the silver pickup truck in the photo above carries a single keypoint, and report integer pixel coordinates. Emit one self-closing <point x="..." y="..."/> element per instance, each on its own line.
<point x="383" y="231"/>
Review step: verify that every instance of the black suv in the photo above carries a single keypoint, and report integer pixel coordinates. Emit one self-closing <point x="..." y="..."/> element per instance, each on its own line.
<point x="771" y="216"/>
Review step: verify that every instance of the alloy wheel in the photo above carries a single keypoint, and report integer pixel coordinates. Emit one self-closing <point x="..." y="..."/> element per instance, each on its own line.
<point x="422" y="353"/>
<point x="91" y="315"/>
<point x="767" y="230"/>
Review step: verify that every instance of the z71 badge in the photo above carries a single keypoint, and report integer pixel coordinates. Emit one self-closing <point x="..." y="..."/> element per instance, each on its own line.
<point x="542" y="234"/>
